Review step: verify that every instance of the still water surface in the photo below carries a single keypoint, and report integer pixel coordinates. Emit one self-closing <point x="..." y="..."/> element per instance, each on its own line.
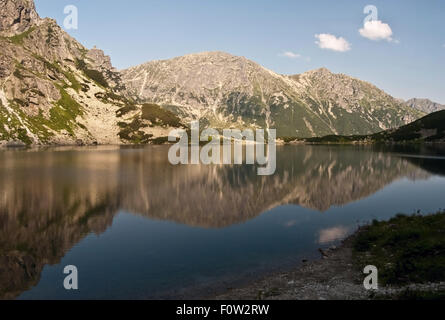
<point x="137" y="227"/>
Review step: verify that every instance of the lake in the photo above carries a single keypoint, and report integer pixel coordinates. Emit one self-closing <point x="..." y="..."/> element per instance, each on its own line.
<point x="137" y="227"/>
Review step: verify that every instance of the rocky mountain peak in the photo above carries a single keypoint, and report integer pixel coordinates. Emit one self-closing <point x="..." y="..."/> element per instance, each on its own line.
<point x="17" y="16"/>
<point x="208" y="59"/>
<point x="226" y="89"/>
<point x="205" y="76"/>
<point x="102" y="63"/>
<point x="425" y="105"/>
<point x="320" y="71"/>
<point x="211" y="56"/>
<point x="99" y="59"/>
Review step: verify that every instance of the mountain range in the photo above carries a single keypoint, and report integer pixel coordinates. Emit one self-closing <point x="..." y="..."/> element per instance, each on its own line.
<point x="53" y="90"/>
<point x="425" y="105"/>
<point x="223" y="89"/>
<point x="430" y="128"/>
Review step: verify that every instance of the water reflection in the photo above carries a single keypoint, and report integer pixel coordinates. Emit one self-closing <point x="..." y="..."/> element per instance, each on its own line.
<point x="50" y="200"/>
<point x="330" y="235"/>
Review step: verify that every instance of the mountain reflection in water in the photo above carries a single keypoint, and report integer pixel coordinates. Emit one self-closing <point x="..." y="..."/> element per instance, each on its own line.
<point x="50" y="200"/>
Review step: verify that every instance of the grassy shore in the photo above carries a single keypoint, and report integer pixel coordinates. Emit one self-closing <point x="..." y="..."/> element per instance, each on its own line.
<point x="408" y="251"/>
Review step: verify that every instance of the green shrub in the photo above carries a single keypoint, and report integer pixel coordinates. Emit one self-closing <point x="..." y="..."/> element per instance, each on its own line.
<point x="50" y="34"/>
<point x="159" y="116"/>
<point x="125" y="109"/>
<point x="94" y="75"/>
<point x="159" y="140"/>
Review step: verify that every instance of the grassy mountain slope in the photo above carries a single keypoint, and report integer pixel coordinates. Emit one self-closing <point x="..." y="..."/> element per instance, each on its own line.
<point x="430" y="128"/>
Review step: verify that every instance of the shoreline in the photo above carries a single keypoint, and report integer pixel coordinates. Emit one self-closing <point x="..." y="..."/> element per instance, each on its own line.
<point x="335" y="276"/>
<point x="5" y="145"/>
<point x="331" y="277"/>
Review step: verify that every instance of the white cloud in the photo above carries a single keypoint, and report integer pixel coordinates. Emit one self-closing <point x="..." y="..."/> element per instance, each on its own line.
<point x="376" y="30"/>
<point x="331" y="42"/>
<point x="290" y="54"/>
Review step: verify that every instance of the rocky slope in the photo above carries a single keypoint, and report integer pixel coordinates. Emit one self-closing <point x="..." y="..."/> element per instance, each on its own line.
<point x="222" y="89"/>
<point x="17" y="16"/>
<point x="425" y="105"/>
<point x="55" y="91"/>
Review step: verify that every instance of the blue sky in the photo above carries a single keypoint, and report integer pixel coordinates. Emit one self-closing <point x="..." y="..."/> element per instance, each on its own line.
<point x="409" y="63"/>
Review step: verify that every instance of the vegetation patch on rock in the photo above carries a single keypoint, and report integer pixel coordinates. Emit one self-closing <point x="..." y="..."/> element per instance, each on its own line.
<point x="159" y="116"/>
<point x="131" y="132"/>
<point x="18" y="39"/>
<point x="94" y="75"/>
